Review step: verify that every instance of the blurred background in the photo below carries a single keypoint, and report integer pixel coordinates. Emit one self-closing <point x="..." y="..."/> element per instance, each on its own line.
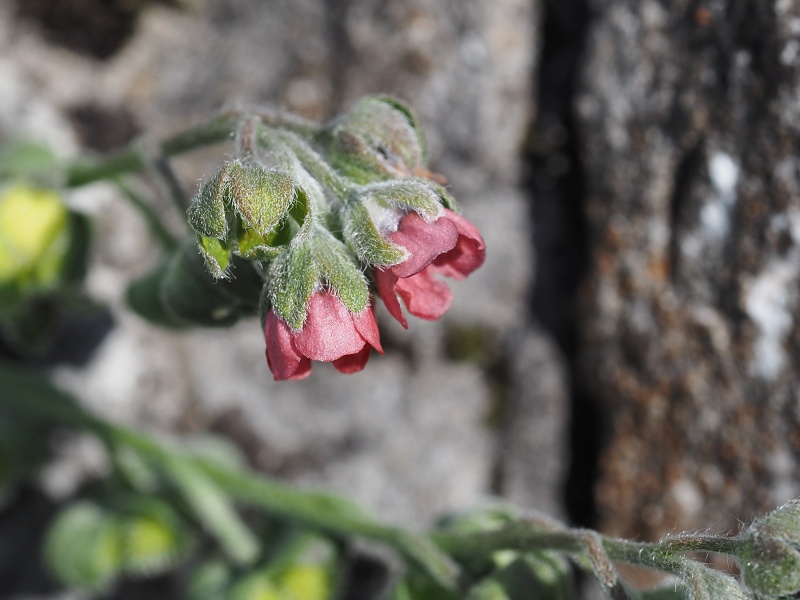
<point x="627" y="359"/>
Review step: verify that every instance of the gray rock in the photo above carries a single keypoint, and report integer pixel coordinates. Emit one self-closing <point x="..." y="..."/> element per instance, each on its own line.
<point x="688" y="117"/>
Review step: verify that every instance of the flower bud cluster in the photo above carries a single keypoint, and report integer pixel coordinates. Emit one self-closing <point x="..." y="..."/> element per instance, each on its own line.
<point x="331" y="218"/>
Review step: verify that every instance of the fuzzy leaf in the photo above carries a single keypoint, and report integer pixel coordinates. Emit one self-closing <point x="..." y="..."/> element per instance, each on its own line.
<point x="214" y="509"/>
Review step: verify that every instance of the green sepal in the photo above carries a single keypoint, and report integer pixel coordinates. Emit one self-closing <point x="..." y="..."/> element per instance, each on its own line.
<point x="206" y="214"/>
<point x="420" y="195"/>
<point x="215" y="253"/>
<point x="84" y="547"/>
<point x="261" y="197"/>
<point x="339" y="270"/>
<point x="292" y="278"/>
<point x="365" y="239"/>
<point x="445" y="197"/>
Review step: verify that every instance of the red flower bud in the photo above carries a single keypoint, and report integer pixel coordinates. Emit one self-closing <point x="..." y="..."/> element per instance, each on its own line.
<point x="331" y="333"/>
<point x="450" y="246"/>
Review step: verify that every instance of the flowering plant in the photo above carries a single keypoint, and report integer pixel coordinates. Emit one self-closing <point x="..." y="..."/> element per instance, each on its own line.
<point x="305" y="225"/>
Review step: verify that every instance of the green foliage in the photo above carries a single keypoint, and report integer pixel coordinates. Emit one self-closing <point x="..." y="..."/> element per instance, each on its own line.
<point x="84" y="547"/>
<point x="179" y="292"/>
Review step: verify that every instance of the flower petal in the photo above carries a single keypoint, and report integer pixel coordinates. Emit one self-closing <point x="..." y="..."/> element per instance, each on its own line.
<point x="385" y="280"/>
<point x="329" y="332"/>
<point x="468" y="253"/>
<point x="424" y="242"/>
<point x="352" y="363"/>
<point x="283" y="358"/>
<point x="367" y="326"/>
<point x="425" y="296"/>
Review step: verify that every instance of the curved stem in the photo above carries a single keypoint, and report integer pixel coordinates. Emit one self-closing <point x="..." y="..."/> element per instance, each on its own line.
<point x="315" y="164"/>
<point x="131" y="160"/>
<point x="528" y="535"/>
<point x="154" y="222"/>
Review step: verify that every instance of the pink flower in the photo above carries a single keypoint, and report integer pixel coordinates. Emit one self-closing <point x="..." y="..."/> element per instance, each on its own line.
<point x="449" y="246"/>
<point x="331" y="333"/>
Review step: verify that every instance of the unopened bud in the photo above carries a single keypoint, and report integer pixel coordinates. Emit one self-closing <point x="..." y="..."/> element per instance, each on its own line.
<point x="770" y="552"/>
<point x="243" y="210"/>
<point x="378" y="138"/>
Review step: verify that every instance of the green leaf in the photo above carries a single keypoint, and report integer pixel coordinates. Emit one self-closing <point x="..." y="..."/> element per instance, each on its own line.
<point x="213" y="509"/>
<point x="191" y="295"/>
<point x="144" y="298"/>
<point x="84" y="547"/>
<point x="23" y="158"/>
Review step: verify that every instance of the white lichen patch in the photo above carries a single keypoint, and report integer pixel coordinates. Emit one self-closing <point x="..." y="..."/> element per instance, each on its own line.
<point x="723" y="172"/>
<point x="767" y="305"/>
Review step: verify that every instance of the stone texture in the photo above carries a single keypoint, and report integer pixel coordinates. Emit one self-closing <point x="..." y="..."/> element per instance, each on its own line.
<point x="688" y="116"/>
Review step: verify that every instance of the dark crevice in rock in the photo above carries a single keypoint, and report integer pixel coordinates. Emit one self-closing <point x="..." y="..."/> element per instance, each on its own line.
<point x="557" y="186"/>
<point x="686" y="173"/>
<point x="96" y="28"/>
<point x="103" y="128"/>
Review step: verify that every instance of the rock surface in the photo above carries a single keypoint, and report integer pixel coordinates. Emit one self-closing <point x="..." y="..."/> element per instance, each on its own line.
<point x="688" y="115"/>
